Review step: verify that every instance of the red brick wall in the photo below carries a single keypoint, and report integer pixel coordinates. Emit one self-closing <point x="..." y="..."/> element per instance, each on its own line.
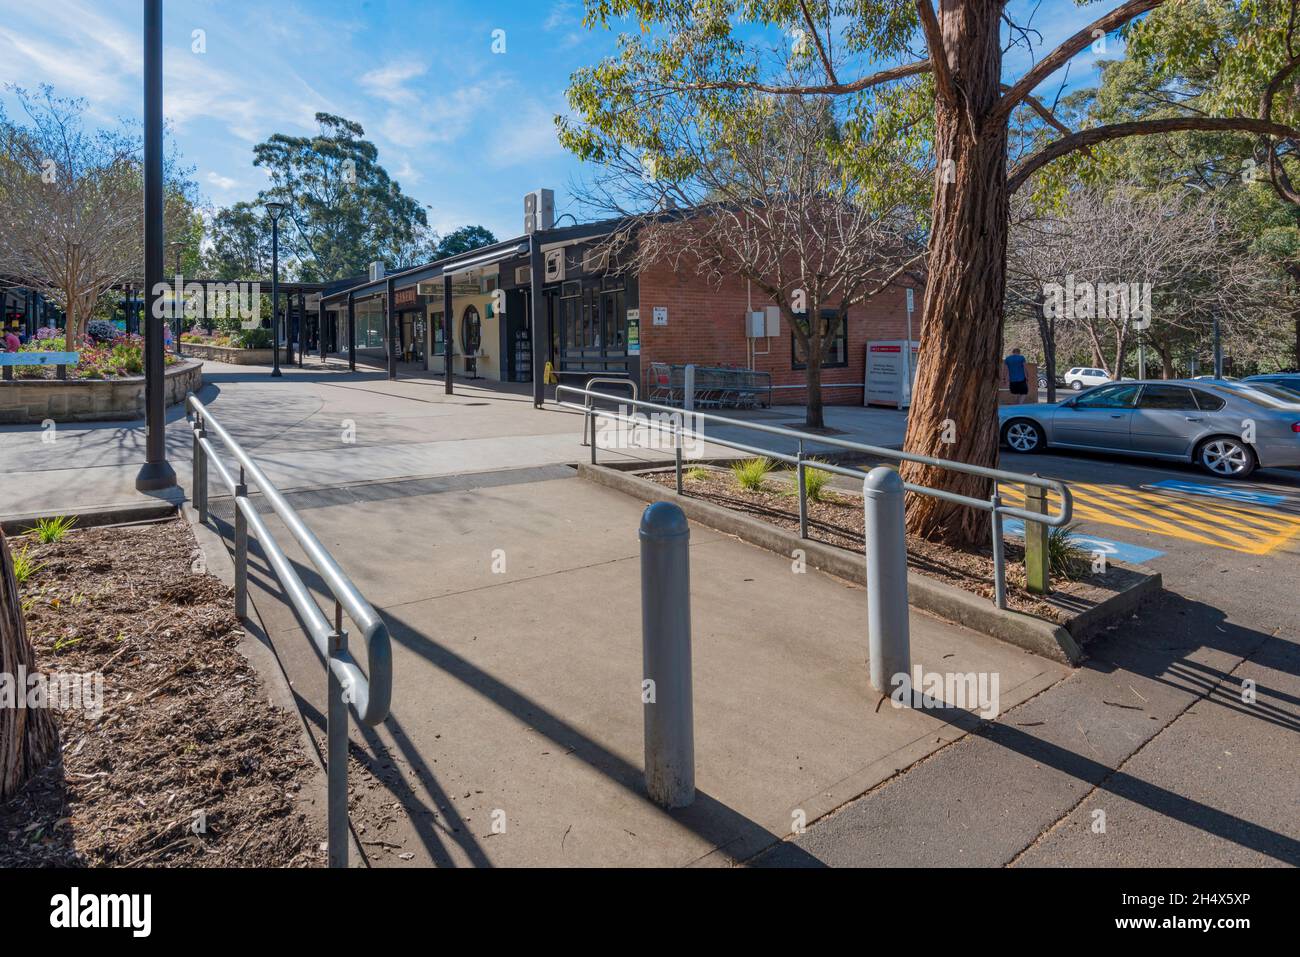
<point x="706" y="325"/>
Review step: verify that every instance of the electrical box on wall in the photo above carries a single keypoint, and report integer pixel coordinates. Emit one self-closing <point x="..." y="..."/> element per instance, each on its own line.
<point x="763" y="323"/>
<point x="773" y="314"/>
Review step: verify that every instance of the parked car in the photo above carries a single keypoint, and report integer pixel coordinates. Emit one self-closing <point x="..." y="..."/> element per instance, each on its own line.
<point x="1083" y="377"/>
<point x="1289" y="381"/>
<point x="1177" y="420"/>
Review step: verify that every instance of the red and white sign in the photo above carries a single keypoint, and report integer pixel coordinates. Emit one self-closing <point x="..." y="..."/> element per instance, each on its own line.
<point x="886" y="372"/>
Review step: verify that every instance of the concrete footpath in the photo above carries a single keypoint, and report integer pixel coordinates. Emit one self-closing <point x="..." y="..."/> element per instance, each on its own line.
<point x="322" y="426"/>
<point x="516" y="693"/>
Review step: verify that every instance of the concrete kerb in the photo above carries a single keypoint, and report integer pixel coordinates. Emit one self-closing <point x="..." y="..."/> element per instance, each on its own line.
<point x="165" y="505"/>
<point x="1057" y="642"/>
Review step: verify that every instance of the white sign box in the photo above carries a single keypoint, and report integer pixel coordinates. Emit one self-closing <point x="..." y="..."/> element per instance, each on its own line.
<point x="885" y="372"/>
<point x="660" y="315"/>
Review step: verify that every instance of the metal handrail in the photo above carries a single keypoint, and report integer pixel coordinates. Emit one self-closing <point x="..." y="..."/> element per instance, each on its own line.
<point x="993" y="505"/>
<point x="370" y="697"/>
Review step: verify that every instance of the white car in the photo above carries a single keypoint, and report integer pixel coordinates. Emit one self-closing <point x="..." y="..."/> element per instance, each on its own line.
<point x="1083" y="377"/>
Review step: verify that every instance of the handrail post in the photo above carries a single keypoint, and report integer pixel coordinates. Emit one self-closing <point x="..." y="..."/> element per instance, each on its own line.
<point x="803" y="493"/>
<point x="999" y="550"/>
<point x="1038" y="572"/>
<point x="241" y="548"/>
<point x="336" y="731"/>
<point x="666" y="692"/>
<point x="889" y="643"/>
<point x="196" y="427"/>
<point x="677" y="451"/>
<point x="200" y="472"/>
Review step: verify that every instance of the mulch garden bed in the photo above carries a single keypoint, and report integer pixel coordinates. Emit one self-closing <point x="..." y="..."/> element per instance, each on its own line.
<point x="838" y="520"/>
<point x="186" y="735"/>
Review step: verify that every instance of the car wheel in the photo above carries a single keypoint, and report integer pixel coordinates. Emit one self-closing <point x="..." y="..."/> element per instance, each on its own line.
<point x="1023" y="436"/>
<point x="1226" y="457"/>
<point x="1076" y="385"/>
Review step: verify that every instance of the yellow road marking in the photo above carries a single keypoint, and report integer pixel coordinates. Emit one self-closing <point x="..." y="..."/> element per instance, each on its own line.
<point x="1223" y="525"/>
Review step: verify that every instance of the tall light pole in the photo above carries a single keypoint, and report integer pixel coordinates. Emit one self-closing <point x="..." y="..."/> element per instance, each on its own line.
<point x="156" y="473"/>
<point x="275" y="211"/>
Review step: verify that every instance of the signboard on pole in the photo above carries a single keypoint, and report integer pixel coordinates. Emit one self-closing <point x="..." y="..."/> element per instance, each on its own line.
<point x="887" y="365"/>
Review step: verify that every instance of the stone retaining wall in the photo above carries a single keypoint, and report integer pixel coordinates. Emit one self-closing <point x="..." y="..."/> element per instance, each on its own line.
<point x="228" y="354"/>
<point x="91" y="400"/>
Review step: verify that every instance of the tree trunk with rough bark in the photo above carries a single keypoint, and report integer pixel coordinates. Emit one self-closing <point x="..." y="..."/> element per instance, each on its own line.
<point x="954" y="411"/>
<point x="28" y="736"/>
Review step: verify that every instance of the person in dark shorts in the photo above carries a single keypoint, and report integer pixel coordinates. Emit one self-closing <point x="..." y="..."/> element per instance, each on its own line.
<point x="1016" y="378"/>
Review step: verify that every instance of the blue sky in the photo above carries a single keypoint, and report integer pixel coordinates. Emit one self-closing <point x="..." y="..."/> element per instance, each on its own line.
<point x="465" y="131"/>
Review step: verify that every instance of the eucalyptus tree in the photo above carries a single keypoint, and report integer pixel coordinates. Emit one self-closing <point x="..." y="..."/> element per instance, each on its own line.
<point x="866" y="51"/>
<point x="344" y="210"/>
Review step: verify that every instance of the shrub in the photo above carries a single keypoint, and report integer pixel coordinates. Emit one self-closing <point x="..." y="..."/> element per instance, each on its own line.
<point x="101" y="330"/>
<point x="750" y="474"/>
<point x="126" y="360"/>
<point x="697" y="473"/>
<point x="254" y="338"/>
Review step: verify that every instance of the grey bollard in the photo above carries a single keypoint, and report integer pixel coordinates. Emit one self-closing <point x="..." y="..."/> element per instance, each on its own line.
<point x="688" y="389"/>
<point x="888" y="642"/>
<point x="666" y="656"/>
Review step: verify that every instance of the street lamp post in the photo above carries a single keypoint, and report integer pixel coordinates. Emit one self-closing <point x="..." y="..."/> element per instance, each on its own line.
<point x="156" y="473"/>
<point x="275" y="211"/>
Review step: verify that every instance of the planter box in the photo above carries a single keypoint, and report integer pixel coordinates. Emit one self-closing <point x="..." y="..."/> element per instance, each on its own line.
<point x="228" y="354"/>
<point x="91" y="400"/>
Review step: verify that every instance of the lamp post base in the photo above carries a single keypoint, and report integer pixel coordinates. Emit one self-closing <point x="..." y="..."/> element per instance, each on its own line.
<point x="154" y="476"/>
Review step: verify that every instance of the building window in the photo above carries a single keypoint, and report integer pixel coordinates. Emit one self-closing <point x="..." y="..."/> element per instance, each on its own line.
<point x="838" y="356"/>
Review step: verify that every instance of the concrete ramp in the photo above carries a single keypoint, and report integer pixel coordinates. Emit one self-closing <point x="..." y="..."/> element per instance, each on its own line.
<point x="516" y="732"/>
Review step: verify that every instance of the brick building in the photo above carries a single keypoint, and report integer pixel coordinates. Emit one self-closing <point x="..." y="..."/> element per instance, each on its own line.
<point x="596" y="318"/>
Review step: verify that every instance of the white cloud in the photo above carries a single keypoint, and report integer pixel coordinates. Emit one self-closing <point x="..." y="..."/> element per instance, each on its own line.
<point x="389" y="83"/>
<point x="221" y="182"/>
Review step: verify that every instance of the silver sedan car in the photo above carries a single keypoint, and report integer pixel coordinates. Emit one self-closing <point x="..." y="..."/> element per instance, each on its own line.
<point x="1227" y="428"/>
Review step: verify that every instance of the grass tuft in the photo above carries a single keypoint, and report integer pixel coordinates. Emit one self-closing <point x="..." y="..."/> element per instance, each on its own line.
<point x="1064" y="557"/>
<point x="24" y="566"/>
<point x="51" y="530"/>
<point x="751" y="473"/>
<point x="816" y="482"/>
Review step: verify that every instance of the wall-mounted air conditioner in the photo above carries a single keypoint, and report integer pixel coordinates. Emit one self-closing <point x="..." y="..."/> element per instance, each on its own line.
<point x="539" y="210"/>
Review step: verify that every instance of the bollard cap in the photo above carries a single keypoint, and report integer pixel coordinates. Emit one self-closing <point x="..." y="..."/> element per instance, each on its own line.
<point x="882" y="481"/>
<point x="664" y="520"/>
